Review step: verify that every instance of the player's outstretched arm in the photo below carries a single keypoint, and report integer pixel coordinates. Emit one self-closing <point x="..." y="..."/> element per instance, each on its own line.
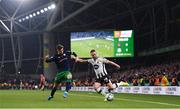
<point x="81" y="60"/>
<point x="113" y="63"/>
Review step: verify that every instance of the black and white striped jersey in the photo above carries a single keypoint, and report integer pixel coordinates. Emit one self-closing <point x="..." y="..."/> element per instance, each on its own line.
<point x="99" y="67"/>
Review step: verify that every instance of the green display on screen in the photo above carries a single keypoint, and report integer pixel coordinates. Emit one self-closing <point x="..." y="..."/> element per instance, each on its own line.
<point x="106" y="43"/>
<point x="123" y="43"/>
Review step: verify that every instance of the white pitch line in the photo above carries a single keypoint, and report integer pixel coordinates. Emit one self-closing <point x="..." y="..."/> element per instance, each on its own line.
<point x="142" y="101"/>
<point x="87" y="108"/>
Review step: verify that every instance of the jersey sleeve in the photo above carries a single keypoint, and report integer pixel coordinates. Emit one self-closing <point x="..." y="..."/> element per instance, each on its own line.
<point x="104" y="60"/>
<point x="89" y="60"/>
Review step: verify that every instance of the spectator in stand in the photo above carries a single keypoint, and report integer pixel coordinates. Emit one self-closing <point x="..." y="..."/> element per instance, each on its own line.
<point x="157" y="80"/>
<point x="135" y="82"/>
<point x="164" y="80"/>
<point x="151" y="81"/>
<point x="42" y="82"/>
<point x="142" y="81"/>
<point x="174" y="81"/>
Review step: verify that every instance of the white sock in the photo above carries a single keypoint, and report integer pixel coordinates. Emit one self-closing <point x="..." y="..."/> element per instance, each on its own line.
<point x="100" y="91"/>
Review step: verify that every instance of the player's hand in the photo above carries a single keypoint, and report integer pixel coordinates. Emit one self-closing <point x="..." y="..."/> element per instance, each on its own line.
<point x="76" y="59"/>
<point x="47" y="57"/>
<point x="118" y="67"/>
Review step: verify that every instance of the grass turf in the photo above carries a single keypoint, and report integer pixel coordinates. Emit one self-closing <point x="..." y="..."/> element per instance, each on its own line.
<point x="38" y="99"/>
<point x="102" y="46"/>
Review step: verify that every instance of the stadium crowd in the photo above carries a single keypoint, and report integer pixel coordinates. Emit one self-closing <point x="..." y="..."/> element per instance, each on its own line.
<point x="154" y="75"/>
<point x="99" y="34"/>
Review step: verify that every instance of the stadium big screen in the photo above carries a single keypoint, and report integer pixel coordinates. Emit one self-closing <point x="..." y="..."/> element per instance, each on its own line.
<point x="106" y="43"/>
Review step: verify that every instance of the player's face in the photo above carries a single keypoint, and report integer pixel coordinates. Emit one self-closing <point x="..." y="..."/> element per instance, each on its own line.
<point x="94" y="54"/>
<point x="60" y="51"/>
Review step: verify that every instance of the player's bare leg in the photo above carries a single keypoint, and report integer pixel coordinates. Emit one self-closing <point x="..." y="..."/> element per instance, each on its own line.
<point x="53" y="91"/>
<point x="97" y="87"/>
<point x="42" y="85"/>
<point x="111" y="86"/>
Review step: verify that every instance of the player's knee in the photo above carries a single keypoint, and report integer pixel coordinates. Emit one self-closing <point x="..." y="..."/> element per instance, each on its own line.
<point x="98" y="90"/>
<point x="110" y="86"/>
<point x="96" y="87"/>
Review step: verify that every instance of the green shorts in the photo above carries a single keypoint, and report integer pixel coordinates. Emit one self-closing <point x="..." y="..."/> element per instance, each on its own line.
<point x="64" y="76"/>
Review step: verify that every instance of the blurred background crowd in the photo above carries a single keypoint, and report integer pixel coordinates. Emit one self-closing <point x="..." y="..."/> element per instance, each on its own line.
<point x="166" y="74"/>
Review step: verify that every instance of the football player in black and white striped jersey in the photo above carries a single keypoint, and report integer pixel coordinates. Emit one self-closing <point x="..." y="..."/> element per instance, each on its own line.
<point x="101" y="73"/>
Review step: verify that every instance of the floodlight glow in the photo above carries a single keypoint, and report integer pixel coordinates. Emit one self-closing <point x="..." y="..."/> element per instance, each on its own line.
<point x="30" y="16"/>
<point x="53" y="6"/>
<point x="34" y="14"/>
<point x="42" y="11"/>
<point x="45" y="9"/>
<point x="20" y="20"/>
<point x="49" y="7"/>
<point x="27" y="17"/>
<point x="38" y="13"/>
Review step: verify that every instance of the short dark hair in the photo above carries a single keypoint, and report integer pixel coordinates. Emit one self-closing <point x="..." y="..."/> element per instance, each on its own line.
<point x="59" y="46"/>
<point x="92" y="51"/>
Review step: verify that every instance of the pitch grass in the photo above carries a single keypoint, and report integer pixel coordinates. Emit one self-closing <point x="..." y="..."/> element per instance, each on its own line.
<point x="38" y="99"/>
<point x="102" y="46"/>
